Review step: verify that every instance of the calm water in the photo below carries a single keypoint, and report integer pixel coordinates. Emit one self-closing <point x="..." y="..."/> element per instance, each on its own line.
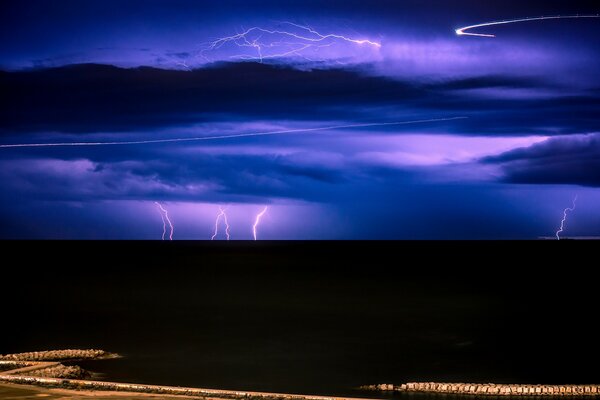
<point x="282" y="318"/>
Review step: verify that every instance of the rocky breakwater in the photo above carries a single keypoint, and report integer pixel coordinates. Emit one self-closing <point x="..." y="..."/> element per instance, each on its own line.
<point x="51" y="373"/>
<point x="490" y="389"/>
<point x="58" y="355"/>
<point x="47" y="364"/>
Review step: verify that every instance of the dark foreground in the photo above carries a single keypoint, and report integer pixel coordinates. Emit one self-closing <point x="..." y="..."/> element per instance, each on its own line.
<point x="315" y="318"/>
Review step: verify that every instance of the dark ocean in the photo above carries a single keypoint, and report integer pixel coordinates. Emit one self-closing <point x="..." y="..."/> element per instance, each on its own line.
<point x="308" y="317"/>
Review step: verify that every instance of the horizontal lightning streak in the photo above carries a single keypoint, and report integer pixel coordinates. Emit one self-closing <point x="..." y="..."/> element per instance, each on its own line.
<point x="320" y="37"/>
<point x="463" y="31"/>
<point x="299" y="41"/>
<point x="239" y="135"/>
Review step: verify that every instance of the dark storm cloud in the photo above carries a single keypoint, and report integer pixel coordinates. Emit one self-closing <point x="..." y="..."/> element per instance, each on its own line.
<point x="92" y="98"/>
<point x="491" y="81"/>
<point x="411" y="181"/>
<point x="173" y="175"/>
<point x="561" y="160"/>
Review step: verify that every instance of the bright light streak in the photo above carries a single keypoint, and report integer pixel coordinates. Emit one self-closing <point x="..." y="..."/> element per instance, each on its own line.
<point x="222" y="215"/>
<point x="234" y="136"/>
<point x="287" y="43"/>
<point x="257" y="221"/>
<point x="463" y="31"/>
<point x="564" y="219"/>
<point x="164" y="215"/>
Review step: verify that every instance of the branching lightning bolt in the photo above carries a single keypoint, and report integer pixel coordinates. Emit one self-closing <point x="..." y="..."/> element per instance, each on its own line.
<point x="463" y="31"/>
<point x="234" y="136"/>
<point x="164" y="215"/>
<point x="257" y="221"/>
<point x="291" y="43"/>
<point x="564" y="219"/>
<point x="222" y="215"/>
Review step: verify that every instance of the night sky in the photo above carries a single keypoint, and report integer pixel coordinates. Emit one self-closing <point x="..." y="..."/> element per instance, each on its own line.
<point x="503" y="134"/>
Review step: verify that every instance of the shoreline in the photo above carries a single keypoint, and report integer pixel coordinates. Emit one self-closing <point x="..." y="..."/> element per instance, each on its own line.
<point x="44" y="370"/>
<point x="17" y="391"/>
<point x="490" y="389"/>
<point x="103" y="386"/>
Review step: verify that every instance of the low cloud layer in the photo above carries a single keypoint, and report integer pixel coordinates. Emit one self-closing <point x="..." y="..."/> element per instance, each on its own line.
<point x="562" y="160"/>
<point x="99" y="98"/>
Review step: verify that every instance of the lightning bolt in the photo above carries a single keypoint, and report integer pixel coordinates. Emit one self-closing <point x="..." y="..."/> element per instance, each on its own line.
<point x="257" y="221"/>
<point x="289" y="44"/>
<point x="564" y="219"/>
<point x="164" y="215"/>
<point x="219" y="216"/>
<point x="234" y="136"/>
<point x="463" y="31"/>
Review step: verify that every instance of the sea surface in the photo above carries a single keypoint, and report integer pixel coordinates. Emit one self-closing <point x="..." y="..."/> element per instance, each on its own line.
<point x="313" y="318"/>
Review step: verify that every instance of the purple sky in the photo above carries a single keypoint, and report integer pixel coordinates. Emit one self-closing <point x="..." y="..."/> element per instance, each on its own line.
<point x="136" y="71"/>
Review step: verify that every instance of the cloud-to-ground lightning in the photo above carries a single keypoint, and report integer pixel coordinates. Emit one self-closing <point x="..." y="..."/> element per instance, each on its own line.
<point x="463" y="31"/>
<point x="221" y="215"/>
<point x="257" y="221"/>
<point x="564" y="219"/>
<point x="285" y="43"/>
<point x="234" y="136"/>
<point x="164" y="215"/>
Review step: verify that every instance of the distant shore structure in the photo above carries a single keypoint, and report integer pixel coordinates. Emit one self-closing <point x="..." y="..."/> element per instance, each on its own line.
<point x="58" y="355"/>
<point x="490" y="389"/>
<point x="570" y="238"/>
<point x="44" y="368"/>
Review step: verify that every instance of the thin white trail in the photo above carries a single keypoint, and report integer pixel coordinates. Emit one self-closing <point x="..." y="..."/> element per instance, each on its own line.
<point x="564" y="219"/>
<point x="221" y="215"/>
<point x="164" y="215"/>
<point x="238" y="135"/>
<point x="463" y="31"/>
<point x="257" y="221"/>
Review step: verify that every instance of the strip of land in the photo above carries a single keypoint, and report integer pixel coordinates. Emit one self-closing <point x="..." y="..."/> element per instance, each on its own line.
<point x="40" y="369"/>
<point x="26" y="392"/>
<point x="43" y="371"/>
<point x="490" y="389"/>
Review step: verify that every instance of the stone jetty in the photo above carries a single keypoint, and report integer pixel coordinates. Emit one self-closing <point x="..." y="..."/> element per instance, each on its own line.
<point x="44" y="368"/>
<point x="58" y="355"/>
<point x="490" y="389"/>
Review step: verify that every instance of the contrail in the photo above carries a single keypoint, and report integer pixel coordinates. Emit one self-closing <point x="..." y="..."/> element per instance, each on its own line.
<point x="164" y="215"/>
<point x="239" y="135"/>
<point x="463" y="31"/>
<point x="257" y="221"/>
<point x="219" y="216"/>
<point x="562" y="223"/>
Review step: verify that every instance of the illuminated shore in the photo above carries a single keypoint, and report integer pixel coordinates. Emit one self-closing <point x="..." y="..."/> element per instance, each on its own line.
<point x="44" y="369"/>
<point x="75" y="384"/>
<point x="31" y="368"/>
<point x="490" y="389"/>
